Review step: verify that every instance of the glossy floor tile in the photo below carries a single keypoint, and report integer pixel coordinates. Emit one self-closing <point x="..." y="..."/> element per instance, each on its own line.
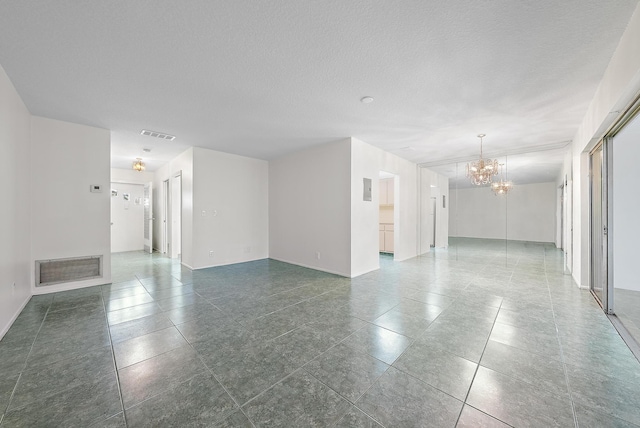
<point x="627" y="307"/>
<point x="483" y="334"/>
<point x="299" y="400"/>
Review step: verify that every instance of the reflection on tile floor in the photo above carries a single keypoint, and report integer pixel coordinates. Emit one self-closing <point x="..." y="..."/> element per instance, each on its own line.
<point x="627" y="308"/>
<point x="469" y="336"/>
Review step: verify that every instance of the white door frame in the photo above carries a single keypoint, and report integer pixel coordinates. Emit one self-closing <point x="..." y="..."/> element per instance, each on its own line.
<point x="148" y="217"/>
<point x="176" y="210"/>
<point x="165" y="216"/>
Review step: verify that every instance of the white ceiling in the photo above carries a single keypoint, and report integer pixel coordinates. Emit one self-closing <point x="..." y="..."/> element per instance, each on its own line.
<point x="263" y="79"/>
<point x="531" y="167"/>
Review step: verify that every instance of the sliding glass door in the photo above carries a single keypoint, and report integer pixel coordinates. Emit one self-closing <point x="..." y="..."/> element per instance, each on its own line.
<point x="599" y="281"/>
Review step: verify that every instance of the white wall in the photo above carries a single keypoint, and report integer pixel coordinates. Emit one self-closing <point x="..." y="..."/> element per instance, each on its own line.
<point x="618" y="87"/>
<point x="67" y="220"/>
<point x="230" y="206"/>
<point x="119" y="175"/>
<point x="442" y="211"/>
<point x="367" y="161"/>
<point x="159" y="176"/>
<point x="558" y="238"/>
<point x="527" y="213"/>
<point x="531" y="212"/>
<point x="232" y="191"/>
<point x="425" y="227"/>
<point x="131" y="236"/>
<point x="566" y="172"/>
<point x="406" y="202"/>
<point x="626" y="206"/>
<point x="433" y="185"/>
<point x="316" y="205"/>
<point x="168" y="172"/>
<point x="309" y="208"/>
<point x="184" y="164"/>
<point x="131" y="176"/>
<point x="477" y="213"/>
<point x="127" y="217"/>
<point x="15" y="232"/>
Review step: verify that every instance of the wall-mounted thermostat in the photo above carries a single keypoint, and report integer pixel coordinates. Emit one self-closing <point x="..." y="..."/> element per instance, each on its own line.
<point x="95" y="188"/>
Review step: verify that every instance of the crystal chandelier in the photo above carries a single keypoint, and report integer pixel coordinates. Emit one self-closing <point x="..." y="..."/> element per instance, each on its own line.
<point x="138" y="165"/>
<point x="482" y="171"/>
<point x="502" y="187"/>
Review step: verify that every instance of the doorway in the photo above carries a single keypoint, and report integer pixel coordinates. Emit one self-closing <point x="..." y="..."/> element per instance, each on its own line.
<point x="165" y="216"/>
<point x="387" y="214"/>
<point x="432" y="220"/>
<point x="147" y="202"/>
<point x="561" y="217"/>
<point x="568" y="226"/>
<point x="175" y="245"/>
<point x="127" y="217"/>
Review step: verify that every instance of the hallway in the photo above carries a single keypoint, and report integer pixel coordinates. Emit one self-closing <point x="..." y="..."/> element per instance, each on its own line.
<point x="463" y="337"/>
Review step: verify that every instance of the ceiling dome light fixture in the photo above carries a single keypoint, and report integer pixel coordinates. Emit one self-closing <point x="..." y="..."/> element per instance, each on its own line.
<point x="366" y="100"/>
<point x="502" y="187"/>
<point x="482" y="171"/>
<point x="138" y="165"/>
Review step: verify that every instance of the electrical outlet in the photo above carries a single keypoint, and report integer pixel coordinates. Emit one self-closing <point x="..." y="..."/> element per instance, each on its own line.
<point x="318" y="255"/>
<point x="210" y="253"/>
<point x="247" y="250"/>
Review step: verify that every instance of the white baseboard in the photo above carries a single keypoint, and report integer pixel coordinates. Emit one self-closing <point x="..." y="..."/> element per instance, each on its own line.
<point x="6" y="328"/>
<point x="346" y="275"/>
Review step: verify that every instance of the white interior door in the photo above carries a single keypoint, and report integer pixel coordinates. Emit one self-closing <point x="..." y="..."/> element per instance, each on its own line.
<point x="148" y="217"/>
<point x="568" y="227"/>
<point x="165" y="217"/>
<point x="176" y="219"/>
<point x="432" y="220"/>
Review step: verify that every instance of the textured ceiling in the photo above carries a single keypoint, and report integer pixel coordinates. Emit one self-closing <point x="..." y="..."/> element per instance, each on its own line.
<point x="521" y="168"/>
<point x="263" y="79"/>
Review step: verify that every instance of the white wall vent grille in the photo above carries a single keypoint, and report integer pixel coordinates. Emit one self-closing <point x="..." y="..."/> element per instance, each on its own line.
<point x="49" y="272"/>
<point x="158" y="135"/>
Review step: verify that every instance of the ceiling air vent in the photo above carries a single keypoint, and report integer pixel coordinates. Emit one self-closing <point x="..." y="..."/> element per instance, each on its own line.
<point x="158" y="135"/>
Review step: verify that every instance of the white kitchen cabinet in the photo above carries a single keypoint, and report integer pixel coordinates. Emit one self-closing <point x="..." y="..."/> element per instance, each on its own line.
<point x="386" y="191"/>
<point x="386" y="238"/>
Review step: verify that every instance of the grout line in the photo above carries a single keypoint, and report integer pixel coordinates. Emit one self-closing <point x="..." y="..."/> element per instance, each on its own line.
<point x="13" y="392"/>
<point x="628" y="338"/>
<point x="24" y="366"/>
<point x="353" y="404"/>
<point x="36" y="336"/>
<point x="239" y="407"/>
<point x="480" y="270"/>
<point x="564" y="363"/>
<point x="113" y="359"/>
<point x="464" y="402"/>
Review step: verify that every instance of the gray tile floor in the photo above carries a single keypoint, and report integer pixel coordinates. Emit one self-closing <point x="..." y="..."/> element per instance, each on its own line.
<point x="627" y="308"/>
<point x="465" y="337"/>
